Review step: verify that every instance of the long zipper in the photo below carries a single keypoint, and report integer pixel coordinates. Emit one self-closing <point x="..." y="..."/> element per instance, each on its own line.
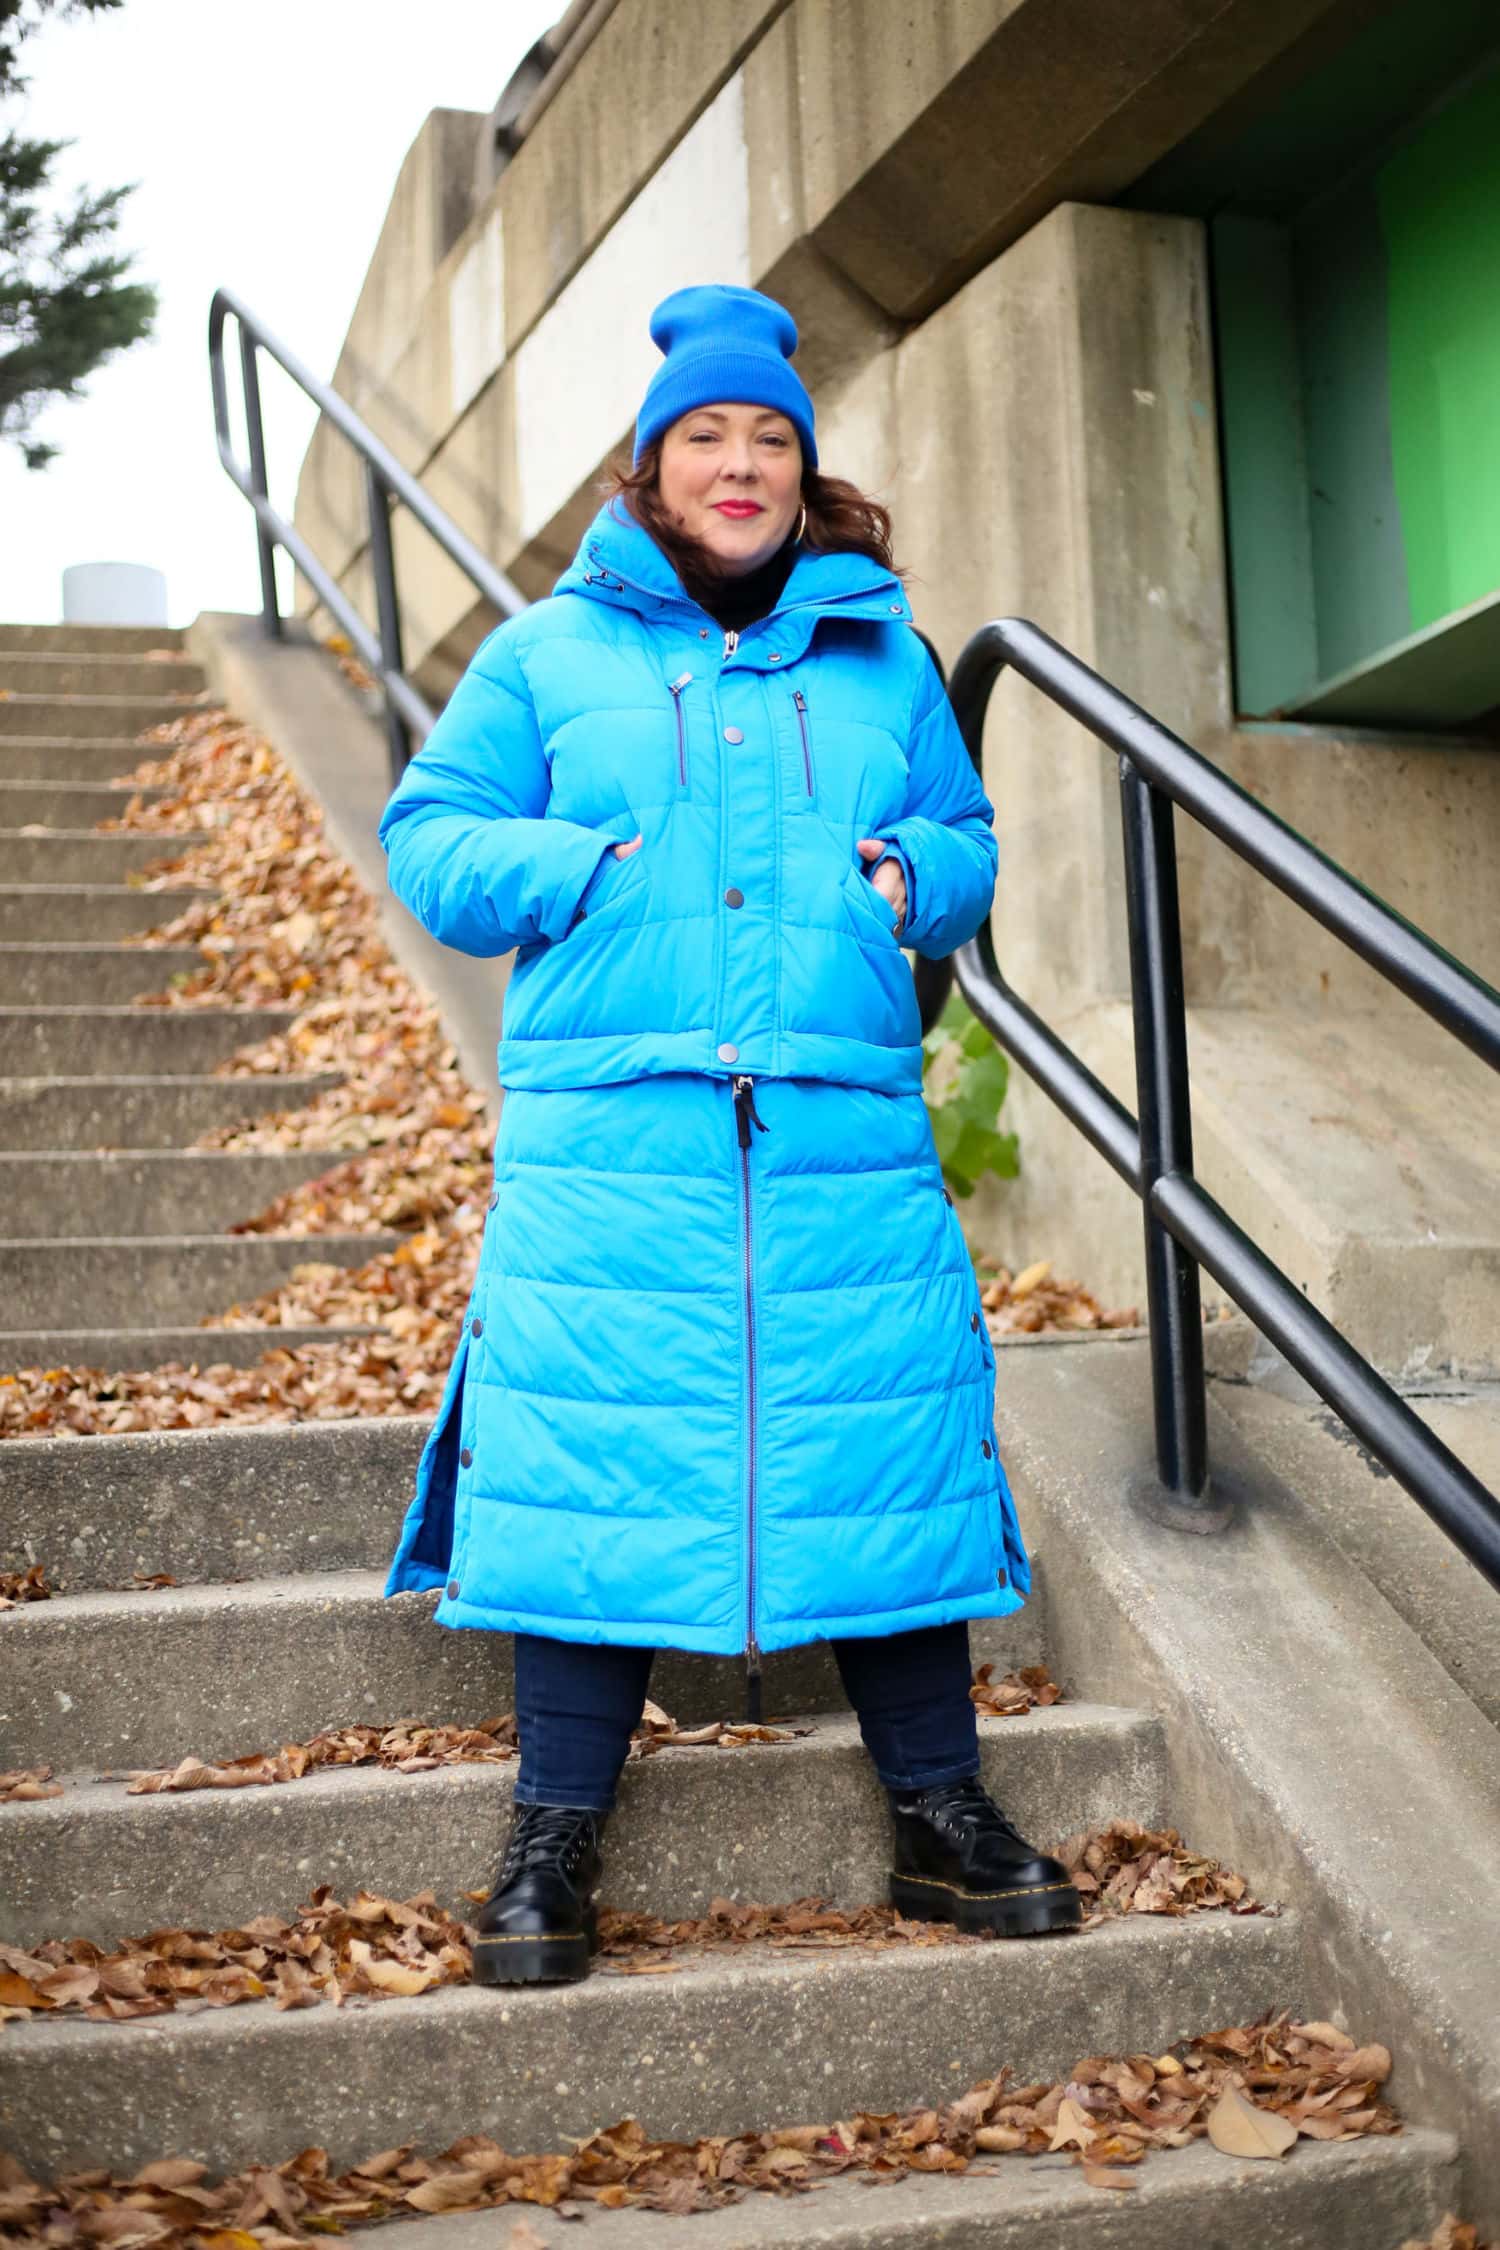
<point x="677" y="687"/>
<point x="801" y="702"/>
<point x="745" y="1113"/>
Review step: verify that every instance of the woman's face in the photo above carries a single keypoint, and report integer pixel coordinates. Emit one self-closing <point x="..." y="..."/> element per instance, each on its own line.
<point x="731" y="475"/>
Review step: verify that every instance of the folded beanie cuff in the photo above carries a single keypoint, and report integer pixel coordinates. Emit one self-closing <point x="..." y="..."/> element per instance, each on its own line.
<point x="720" y="374"/>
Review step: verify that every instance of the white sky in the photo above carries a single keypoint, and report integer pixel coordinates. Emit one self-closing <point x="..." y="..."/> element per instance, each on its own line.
<point x="172" y="93"/>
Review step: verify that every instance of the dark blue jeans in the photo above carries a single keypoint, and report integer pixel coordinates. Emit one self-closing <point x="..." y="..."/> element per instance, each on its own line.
<point x="577" y="1702"/>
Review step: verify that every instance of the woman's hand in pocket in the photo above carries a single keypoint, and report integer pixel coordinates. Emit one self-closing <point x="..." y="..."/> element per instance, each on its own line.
<point x="623" y="851"/>
<point x="888" y="879"/>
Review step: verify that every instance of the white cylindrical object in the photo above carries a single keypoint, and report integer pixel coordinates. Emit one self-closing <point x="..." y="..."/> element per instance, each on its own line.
<point x="114" y="593"/>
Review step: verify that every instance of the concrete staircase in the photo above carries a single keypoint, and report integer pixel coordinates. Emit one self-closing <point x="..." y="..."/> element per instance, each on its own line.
<point x="278" y="1539"/>
<point x="115" y="1245"/>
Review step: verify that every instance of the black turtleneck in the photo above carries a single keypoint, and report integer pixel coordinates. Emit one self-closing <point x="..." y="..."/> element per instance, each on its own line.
<point x="737" y="602"/>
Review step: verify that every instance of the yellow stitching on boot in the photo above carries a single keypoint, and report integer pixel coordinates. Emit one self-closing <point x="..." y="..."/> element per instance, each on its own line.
<point x="936" y="1882"/>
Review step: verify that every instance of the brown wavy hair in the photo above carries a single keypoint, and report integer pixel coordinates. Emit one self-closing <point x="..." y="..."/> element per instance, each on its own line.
<point x="840" y="520"/>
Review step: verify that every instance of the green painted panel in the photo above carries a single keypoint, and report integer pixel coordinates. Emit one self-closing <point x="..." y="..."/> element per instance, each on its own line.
<point x="1439" y="204"/>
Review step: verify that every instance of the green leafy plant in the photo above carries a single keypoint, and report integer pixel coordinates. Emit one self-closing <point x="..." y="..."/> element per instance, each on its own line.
<point x="964" y="1077"/>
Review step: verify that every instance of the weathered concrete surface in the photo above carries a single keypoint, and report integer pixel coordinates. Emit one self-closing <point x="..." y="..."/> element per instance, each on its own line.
<point x="1350" y="2195"/>
<point x="81" y="856"/>
<point x="160" y="1191"/>
<point x="62" y="758"/>
<point x="104" y="1282"/>
<point x="720" y="2045"/>
<point x="30" y="911"/>
<point x="141" y="1112"/>
<point x="248" y="1502"/>
<point x="67" y="804"/>
<point x="292" y="693"/>
<point x="1312" y="1740"/>
<point x="117" y="1349"/>
<point x="102" y="640"/>
<point x="139" y="1679"/>
<point x="76" y="672"/>
<point x="1380" y="1527"/>
<point x="55" y="975"/>
<point x="102" y="1042"/>
<point x="767" y="1821"/>
<point x="86" y="716"/>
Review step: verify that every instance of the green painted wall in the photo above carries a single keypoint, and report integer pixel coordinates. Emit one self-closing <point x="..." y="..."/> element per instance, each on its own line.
<point x="1439" y="204"/>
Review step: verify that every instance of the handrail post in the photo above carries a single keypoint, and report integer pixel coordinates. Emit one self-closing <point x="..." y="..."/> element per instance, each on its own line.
<point x="270" y="609"/>
<point x="1181" y="1494"/>
<point x="387" y="610"/>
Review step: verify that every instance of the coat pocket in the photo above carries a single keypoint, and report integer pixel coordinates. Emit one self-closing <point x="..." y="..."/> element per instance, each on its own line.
<point x="873" y="912"/>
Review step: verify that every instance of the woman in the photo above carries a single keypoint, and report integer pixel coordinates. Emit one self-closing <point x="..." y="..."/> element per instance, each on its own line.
<point x="724" y="1382"/>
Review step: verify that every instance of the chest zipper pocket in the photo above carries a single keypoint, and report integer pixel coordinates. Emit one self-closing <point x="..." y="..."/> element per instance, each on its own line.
<point x="800" y="700"/>
<point x="677" y="687"/>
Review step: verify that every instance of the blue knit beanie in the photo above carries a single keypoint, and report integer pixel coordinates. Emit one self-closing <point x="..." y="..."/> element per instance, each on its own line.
<point x="724" y="343"/>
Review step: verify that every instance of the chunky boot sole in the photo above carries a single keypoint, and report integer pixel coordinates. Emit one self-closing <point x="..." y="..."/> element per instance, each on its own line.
<point x="1019" y="1913"/>
<point x="537" y="1957"/>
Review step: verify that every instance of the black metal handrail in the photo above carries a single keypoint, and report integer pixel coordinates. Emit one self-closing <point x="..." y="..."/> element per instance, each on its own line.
<point x="1185" y="1227"/>
<point x="407" y="711"/>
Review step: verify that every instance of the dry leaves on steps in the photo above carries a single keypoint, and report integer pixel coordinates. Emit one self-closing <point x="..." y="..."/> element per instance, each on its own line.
<point x="1015" y="1693"/>
<point x="23" y="1783"/>
<point x="29" y="1585"/>
<point x="1132" y="2106"/>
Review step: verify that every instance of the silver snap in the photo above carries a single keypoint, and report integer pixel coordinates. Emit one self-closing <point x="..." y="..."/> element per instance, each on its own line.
<point x="452" y="1589"/>
<point x="895" y="609"/>
<point x="729" y="1052"/>
<point x="775" y="655"/>
<point x="734" y="734"/>
<point x="703" y="632"/>
<point x="734" y="898"/>
<point x="974" y="1321"/>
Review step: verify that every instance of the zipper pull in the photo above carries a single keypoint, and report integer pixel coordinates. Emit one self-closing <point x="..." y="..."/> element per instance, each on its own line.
<point x="745" y="1109"/>
<point x="731" y="641"/>
<point x="676" y="686"/>
<point x="752" y="1681"/>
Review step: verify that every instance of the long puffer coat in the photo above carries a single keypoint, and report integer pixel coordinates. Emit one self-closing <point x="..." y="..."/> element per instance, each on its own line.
<point x="724" y="1382"/>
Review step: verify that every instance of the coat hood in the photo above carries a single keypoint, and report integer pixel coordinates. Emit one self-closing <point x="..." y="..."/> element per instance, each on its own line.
<point x="618" y="562"/>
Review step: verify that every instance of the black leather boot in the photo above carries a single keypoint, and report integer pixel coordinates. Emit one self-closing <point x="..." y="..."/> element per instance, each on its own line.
<point x="540" y="1924"/>
<point x="958" y="1859"/>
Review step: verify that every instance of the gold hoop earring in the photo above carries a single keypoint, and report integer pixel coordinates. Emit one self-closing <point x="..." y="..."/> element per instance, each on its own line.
<point x="801" y="524"/>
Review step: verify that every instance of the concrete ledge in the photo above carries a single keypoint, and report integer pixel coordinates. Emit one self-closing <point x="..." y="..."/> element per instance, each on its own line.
<point x="52" y="976"/>
<point x="768" y="1821"/>
<point x="104" y="640"/>
<point x="90" y="1042"/>
<point x="722" y="2044"/>
<point x="29" y="911"/>
<point x="159" y="1191"/>
<point x="291" y="692"/>
<point x="82" y="718"/>
<point x="105" y="672"/>
<point x="118" y="1350"/>
<point x="59" y="758"/>
<point x="120" y="1112"/>
<point x="67" y="804"/>
<point x="1312" y="1740"/>
<point x="178" y="1278"/>
<point x="1349" y="2195"/>
<point x="141" y="1679"/>
<point x="81" y="856"/>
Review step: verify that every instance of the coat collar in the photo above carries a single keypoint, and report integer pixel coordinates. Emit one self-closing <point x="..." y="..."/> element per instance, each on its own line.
<point x="619" y="563"/>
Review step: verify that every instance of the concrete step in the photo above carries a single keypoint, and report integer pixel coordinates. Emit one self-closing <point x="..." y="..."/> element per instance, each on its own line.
<point x="84" y="718"/>
<point x="256" y="1501"/>
<point x="124" y="1112"/>
<point x="86" y="640"/>
<point x="757" y="1822"/>
<point x="150" y="1191"/>
<point x="64" y="804"/>
<point x="105" y="1282"/>
<point x="725" y="2042"/>
<point x="54" y="672"/>
<point x="142" y="1679"/>
<point x="54" y="975"/>
<point x="80" y="856"/>
<point x="124" y="1350"/>
<point x="51" y="757"/>
<point x="1330" y="2195"/>
<point x="30" y="912"/>
<point x="103" y="1042"/>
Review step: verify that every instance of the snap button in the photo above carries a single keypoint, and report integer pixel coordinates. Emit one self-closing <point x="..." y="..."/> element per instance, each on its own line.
<point x="703" y="632"/>
<point x="974" y="1320"/>
<point x="947" y="1198"/>
<point x="999" y="1578"/>
<point x="733" y="897"/>
<point x="729" y="1052"/>
<point x="734" y="734"/>
<point x="478" y="1328"/>
<point x="895" y="609"/>
<point x="774" y="655"/>
<point x="452" y="1589"/>
<point x="466" y="1459"/>
<point x="985" y="1448"/>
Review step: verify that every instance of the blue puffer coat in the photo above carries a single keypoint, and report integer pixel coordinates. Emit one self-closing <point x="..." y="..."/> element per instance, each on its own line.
<point x="724" y="1382"/>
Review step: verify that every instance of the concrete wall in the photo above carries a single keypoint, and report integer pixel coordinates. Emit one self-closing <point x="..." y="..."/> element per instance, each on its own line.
<point x="1026" y="376"/>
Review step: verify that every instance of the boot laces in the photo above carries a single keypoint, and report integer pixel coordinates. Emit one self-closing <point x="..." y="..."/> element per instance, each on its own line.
<point x="547" y="1833"/>
<point x="967" y="1805"/>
